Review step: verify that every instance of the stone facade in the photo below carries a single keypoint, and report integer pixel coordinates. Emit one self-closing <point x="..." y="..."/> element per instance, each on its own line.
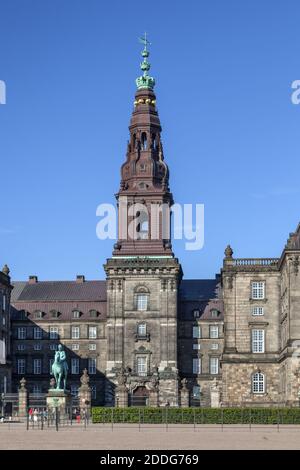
<point x="5" y="343"/>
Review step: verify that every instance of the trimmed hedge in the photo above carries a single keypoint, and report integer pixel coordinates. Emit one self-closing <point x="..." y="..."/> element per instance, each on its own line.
<point x="196" y="415"/>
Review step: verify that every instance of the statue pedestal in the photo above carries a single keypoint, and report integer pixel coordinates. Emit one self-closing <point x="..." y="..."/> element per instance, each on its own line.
<point x="59" y="399"/>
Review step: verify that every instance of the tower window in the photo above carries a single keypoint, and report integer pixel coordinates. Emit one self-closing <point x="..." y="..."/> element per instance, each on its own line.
<point x="258" y="290"/>
<point x="144" y="141"/>
<point x="142" y="329"/>
<point x="142" y="302"/>
<point x="143" y="225"/>
<point x="258" y="341"/>
<point x="142" y="366"/>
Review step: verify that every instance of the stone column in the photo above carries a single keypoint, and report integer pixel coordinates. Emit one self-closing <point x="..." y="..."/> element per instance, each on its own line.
<point x="153" y="398"/>
<point x="23" y="398"/>
<point x="85" y="394"/>
<point x="121" y="400"/>
<point x="215" y="401"/>
<point x="184" y="394"/>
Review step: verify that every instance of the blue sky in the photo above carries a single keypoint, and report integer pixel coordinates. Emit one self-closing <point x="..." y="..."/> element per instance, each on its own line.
<point x="223" y="69"/>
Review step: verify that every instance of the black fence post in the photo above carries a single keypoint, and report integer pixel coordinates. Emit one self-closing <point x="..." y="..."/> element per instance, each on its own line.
<point x="112" y="419"/>
<point x="222" y="418"/>
<point x="139" y="419"/>
<point x="194" y="415"/>
<point x="278" y="419"/>
<point x="167" y="419"/>
<point x="56" y="418"/>
<point x="250" y="420"/>
<point x="27" y="420"/>
<point x="42" y="420"/>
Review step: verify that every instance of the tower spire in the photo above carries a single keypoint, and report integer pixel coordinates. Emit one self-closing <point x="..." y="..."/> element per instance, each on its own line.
<point x="145" y="81"/>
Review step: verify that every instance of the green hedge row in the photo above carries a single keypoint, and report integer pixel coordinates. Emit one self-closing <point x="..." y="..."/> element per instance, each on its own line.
<point x="196" y="415"/>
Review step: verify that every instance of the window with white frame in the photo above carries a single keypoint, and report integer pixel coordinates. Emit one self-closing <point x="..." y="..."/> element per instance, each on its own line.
<point x="21" y="366"/>
<point x="214" y="313"/>
<point x="93" y="313"/>
<point x="75" y="347"/>
<point x="21" y="347"/>
<point x="37" y="366"/>
<point x="92" y="332"/>
<point x="197" y="331"/>
<point x="74" y="390"/>
<point x="142" y="302"/>
<point x="258" y="383"/>
<point x="197" y="365"/>
<point x="53" y="332"/>
<point x="213" y="331"/>
<point x="141" y="365"/>
<point x="37" y="346"/>
<point x="21" y="332"/>
<point x="92" y="347"/>
<point x="36" y="389"/>
<point x="196" y="346"/>
<point x="75" y="332"/>
<point x="92" y="365"/>
<point x="38" y="314"/>
<point x="258" y="290"/>
<point x="37" y="332"/>
<point x="257" y="311"/>
<point x="142" y="329"/>
<point x="258" y="341"/>
<point x="196" y="313"/>
<point x="214" y="365"/>
<point x="76" y="314"/>
<point x="53" y="347"/>
<point x="214" y="346"/>
<point x="74" y="365"/>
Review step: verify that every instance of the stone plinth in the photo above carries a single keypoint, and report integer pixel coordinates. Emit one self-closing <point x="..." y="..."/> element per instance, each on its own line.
<point x="153" y="398"/>
<point x="23" y="399"/>
<point x="59" y="399"/>
<point x="122" y="396"/>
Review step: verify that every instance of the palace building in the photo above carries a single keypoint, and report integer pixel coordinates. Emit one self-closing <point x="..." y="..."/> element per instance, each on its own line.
<point x="225" y="341"/>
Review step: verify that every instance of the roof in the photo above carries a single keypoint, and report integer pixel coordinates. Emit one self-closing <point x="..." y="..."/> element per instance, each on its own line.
<point x="199" y="289"/>
<point x="51" y="291"/>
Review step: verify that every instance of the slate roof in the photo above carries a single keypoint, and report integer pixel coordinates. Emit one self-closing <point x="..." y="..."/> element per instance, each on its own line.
<point x="199" y="289"/>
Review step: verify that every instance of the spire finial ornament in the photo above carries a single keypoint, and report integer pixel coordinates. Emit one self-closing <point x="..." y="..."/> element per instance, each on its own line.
<point x="6" y="270"/>
<point x="145" y="81"/>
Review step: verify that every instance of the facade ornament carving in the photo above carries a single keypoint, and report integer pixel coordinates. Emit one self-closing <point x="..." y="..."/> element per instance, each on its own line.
<point x="23" y="383"/>
<point x="184" y="384"/>
<point x="228" y="252"/>
<point x="6" y="270"/>
<point x="84" y="379"/>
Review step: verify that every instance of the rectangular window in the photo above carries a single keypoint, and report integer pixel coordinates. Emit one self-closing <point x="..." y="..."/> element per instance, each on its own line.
<point x="21" y="366"/>
<point x="37" y="366"/>
<point x="258" y="383"/>
<point x="75" y="332"/>
<point x="74" y="366"/>
<point x="196" y="313"/>
<point x="214" y="365"/>
<point x="92" y="365"/>
<point x="141" y="366"/>
<point x="36" y="389"/>
<point x="196" y="392"/>
<point x="76" y="314"/>
<point x="92" y="332"/>
<point x="142" y="302"/>
<point x="257" y="311"/>
<point x="75" y="347"/>
<point x="214" y="346"/>
<point x="53" y="332"/>
<point x="197" y="365"/>
<point x="37" y="346"/>
<point x="213" y="331"/>
<point x="196" y="346"/>
<point x="142" y="329"/>
<point x="21" y="347"/>
<point x="53" y="347"/>
<point x="258" y="341"/>
<point x="37" y="332"/>
<point x="197" y="331"/>
<point x="21" y="332"/>
<point x="258" y="290"/>
<point x="92" y="347"/>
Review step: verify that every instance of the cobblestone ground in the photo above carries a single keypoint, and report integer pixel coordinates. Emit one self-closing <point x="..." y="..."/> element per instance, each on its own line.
<point x="15" y="436"/>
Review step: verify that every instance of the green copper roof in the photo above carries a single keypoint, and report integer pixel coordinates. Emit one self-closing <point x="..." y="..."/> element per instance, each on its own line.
<point x="145" y="81"/>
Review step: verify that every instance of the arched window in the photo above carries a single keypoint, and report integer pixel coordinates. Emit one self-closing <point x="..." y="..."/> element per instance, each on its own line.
<point x="133" y="141"/>
<point x="142" y="302"/>
<point x="154" y="143"/>
<point x="76" y="314"/>
<point x="258" y="383"/>
<point x="143" y="225"/>
<point x="144" y="141"/>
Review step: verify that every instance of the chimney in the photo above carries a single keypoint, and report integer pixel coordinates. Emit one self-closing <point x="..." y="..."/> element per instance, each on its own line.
<point x="80" y="278"/>
<point x="32" y="279"/>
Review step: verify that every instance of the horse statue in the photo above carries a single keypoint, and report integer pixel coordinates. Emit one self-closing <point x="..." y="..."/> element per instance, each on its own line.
<point x="60" y="368"/>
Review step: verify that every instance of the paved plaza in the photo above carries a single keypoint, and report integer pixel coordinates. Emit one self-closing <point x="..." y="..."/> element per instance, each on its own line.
<point x="129" y="437"/>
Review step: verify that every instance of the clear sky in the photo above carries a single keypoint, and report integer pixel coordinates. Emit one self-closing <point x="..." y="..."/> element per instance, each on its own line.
<point x="223" y="69"/>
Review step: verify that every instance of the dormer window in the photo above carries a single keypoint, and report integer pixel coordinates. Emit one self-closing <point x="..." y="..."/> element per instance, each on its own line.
<point x="214" y="313"/>
<point x="196" y="313"/>
<point x="38" y="314"/>
<point x="54" y="313"/>
<point x="93" y="313"/>
<point x="76" y="314"/>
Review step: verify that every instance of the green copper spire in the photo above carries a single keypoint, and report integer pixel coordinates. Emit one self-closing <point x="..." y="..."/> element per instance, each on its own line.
<point x="145" y="81"/>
